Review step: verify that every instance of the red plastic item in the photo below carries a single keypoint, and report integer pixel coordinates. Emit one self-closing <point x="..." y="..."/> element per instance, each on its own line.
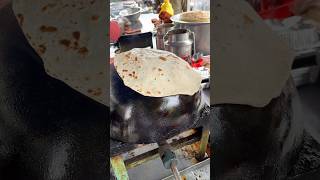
<point x="197" y="64"/>
<point x="281" y="11"/>
<point x="115" y="31"/>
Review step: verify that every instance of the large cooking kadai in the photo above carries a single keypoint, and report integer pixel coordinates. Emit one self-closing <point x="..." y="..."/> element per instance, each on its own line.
<point x="138" y="118"/>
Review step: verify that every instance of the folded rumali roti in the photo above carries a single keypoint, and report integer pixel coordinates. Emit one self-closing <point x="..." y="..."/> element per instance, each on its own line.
<point x="195" y="16"/>
<point x="156" y="73"/>
<point x="70" y="37"/>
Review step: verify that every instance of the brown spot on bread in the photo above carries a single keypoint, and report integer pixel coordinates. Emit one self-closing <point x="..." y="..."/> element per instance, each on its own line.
<point x="44" y="28"/>
<point x="75" y="45"/>
<point x="159" y="92"/>
<point x="94" y="17"/>
<point x="148" y="92"/>
<point x="159" y="69"/>
<point x="136" y="59"/>
<point x="162" y="58"/>
<point x="83" y="51"/>
<point x="97" y="92"/>
<point x="20" y="19"/>
<point x="65" y="42"/>
<point x="130" y="75"/>
<point x="124" y="70"/>
<point x="42" y="49"/>
<point x="76" y="35"/>
<point x="44" y="8"/>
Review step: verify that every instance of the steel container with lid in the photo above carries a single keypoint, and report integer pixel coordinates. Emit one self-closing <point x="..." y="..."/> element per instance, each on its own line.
<point x="178" y="41"/>
<point x="161" y="31"/>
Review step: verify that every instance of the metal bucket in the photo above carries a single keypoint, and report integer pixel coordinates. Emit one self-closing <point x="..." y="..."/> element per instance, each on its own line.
<point x="161" y="31"/>
<point x="178" y="42"/>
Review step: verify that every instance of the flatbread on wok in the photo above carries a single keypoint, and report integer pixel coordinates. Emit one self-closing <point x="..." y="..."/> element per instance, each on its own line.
<point x="251" y="64"/>
<point x="156" y="73"/>
<point x="70" y="36"/>
<point x="195" y="16"/>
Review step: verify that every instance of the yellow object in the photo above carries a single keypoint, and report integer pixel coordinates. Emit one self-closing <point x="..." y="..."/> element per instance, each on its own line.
<point x="166" y="6"/>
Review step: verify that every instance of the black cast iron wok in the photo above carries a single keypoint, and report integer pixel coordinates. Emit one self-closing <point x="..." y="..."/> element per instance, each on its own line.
<point x="140" y="119"/>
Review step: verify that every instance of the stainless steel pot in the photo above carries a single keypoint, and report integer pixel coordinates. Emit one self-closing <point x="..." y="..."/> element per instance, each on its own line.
<point x="178" y="42"/>
<point x="201" y="31"/>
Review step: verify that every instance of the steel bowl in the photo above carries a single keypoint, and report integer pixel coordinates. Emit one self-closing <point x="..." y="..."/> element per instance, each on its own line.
<point x="131" y="13"/>
<point x="201" y="31"/>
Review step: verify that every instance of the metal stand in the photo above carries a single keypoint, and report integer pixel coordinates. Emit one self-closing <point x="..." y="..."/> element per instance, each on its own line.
<point x="169" y="160"/>
<point x="203" y="144"/>
<point x="119" y="168"/>
<point x="165" y="151"/>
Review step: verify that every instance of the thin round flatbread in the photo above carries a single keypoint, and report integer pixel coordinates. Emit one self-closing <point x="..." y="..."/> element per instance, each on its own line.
<point x="70" y="36"/>
<point x="195" y="16"/>
<point x="251" y="63"/>
<point x="156" y="73"/>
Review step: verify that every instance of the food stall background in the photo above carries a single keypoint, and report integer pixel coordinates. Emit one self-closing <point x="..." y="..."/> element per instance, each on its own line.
<point x="137" y="32"/>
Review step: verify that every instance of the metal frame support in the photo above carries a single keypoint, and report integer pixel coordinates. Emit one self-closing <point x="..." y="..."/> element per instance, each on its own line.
<point x="119" y="168"/>
<point x="169" y="159"/>
<point x="203" y="144"/>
